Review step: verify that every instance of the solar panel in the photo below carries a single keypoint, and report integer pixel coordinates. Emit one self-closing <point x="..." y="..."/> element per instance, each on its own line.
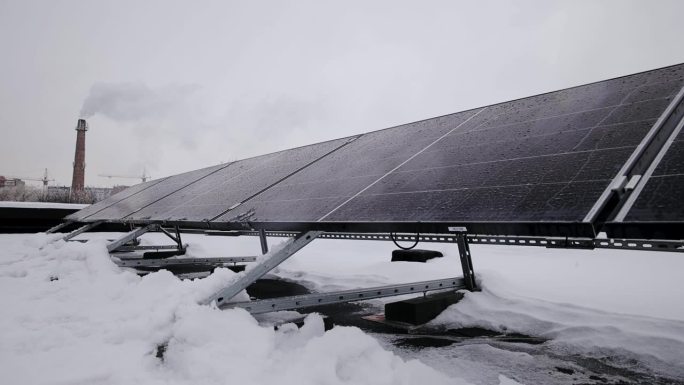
<point x="113" y="199"/>
<point x="311" y="193"/>
<point x="145" y="197"/>
<point x="542" y="165"/>
<point x="544" y="159"/>
<point x="228" y="187"/>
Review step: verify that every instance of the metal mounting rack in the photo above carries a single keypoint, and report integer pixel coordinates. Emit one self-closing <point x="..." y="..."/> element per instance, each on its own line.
<point x="119" y="247"/>
<point x="299" y="240"/>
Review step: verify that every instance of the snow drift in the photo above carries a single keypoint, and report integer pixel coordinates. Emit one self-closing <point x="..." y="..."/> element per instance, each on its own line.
<point x="70" y="316"/>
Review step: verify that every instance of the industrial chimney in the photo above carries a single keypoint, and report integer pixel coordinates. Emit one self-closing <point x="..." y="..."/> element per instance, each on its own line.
<point x="78" y="179"/>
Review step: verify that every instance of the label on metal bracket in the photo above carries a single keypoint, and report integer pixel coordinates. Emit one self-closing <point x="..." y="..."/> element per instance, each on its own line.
<point x="458" y="229"/>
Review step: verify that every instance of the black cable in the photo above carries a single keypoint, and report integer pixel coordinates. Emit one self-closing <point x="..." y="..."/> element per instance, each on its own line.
<point x="405" y="248"/>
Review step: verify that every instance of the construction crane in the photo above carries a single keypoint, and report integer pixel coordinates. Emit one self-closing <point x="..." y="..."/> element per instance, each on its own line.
<point x="44" y="179"/>
<point x="144" y="177"/>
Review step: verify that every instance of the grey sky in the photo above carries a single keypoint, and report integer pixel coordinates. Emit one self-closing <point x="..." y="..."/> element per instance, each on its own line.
<point x="174" y="86"/>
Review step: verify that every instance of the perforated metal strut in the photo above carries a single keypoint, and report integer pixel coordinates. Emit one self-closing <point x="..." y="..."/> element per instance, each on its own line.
<point x="262" y="267"/>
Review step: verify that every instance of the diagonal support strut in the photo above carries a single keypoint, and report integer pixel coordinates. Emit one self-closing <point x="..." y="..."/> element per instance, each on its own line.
<point x="130" y="236"/>
<point x="261" y="268"/>
<point x="81" y="230"/>
<point x="58" y="227"/>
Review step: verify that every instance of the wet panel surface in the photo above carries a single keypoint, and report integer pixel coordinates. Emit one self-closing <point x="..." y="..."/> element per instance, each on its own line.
<point x="215" y="194"/>
<point x="543" y="159"/>
<point x="120" y="196"/>
<point x="546" y="158"/>
<point x="156" y="192"/>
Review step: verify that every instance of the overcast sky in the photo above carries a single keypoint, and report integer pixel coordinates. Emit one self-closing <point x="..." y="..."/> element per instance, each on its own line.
<point x="174" y="86"/>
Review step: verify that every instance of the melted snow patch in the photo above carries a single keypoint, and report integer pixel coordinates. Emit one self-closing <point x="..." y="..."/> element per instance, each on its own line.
<point x="572" y="329"/>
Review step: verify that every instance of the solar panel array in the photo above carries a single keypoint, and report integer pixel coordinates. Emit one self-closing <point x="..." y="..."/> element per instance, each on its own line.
<point x="537" y="166"/>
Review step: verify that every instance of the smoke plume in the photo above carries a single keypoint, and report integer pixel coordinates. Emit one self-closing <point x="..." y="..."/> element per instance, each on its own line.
<point x="132" y="102"/>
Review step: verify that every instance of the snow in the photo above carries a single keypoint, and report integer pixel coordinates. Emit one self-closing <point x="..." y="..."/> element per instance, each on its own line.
<point x="41" y="205"/>
<point x="71" y="316"/>
<point x="658" y="343"/>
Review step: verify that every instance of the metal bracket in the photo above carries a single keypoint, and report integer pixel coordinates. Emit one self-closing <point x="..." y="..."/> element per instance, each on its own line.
<point x="176" y="238"/>
<point x="632" y="182"/>
<point x="81" y="230"/>
<point x="262" y="267"/>
<point x="466" y="261"/>
<point x="264" y="241"/>
<point x="130" y="236"/>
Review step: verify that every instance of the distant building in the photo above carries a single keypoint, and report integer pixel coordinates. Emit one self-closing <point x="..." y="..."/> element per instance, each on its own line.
<point x="89" y="194"/>
<point x="12" y="182"/>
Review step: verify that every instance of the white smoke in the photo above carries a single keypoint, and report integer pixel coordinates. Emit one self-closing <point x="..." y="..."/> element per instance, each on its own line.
<point x="173" y="128"/>
<point x="134" y="102"/>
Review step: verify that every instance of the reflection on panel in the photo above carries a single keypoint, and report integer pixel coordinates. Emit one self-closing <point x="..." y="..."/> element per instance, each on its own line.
<point x="215" y="194"/>
<point x="546" y="158"/>
<point x="313" y="192"/>
<point x="150" y="195"/>
<point x="121" y="195"/>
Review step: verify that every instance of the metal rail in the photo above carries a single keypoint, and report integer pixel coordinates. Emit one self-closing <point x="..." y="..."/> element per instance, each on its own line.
<point x="308" y="300"/>
<point x="150" y="247"/>
<point x="552" y="242"/>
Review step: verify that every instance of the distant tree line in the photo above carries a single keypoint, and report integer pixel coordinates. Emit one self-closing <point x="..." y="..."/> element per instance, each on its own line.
<point x="37" y="194"/>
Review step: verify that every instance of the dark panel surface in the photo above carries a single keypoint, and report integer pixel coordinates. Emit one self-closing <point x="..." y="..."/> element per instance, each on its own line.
<point x="152" y="194"/>
<point x="546" y="158"/>
<point x="215" y="194"/>
<point x="99" y="206"/>
<point x="311" y="193"/>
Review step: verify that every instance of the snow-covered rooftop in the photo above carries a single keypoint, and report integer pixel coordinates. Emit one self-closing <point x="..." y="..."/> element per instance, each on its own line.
<point x="42" y="205"/>
<point x="70" y="315"/>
